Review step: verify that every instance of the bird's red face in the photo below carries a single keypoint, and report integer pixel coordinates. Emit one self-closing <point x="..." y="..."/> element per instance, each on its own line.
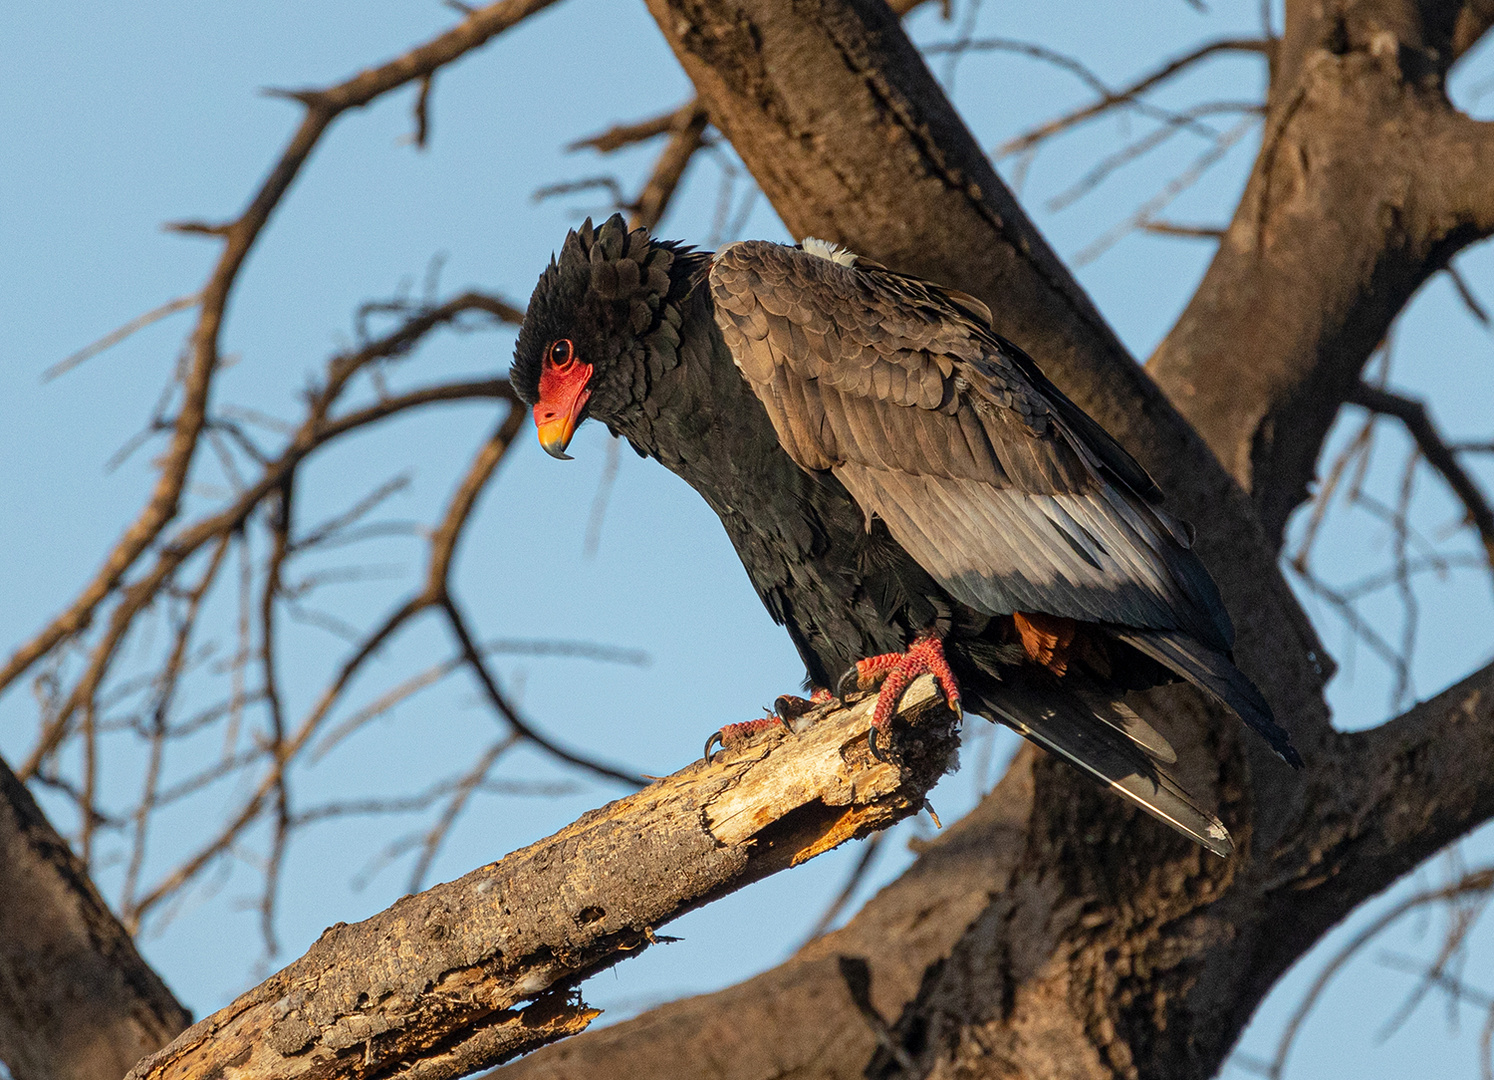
<point x="562" y="395"/>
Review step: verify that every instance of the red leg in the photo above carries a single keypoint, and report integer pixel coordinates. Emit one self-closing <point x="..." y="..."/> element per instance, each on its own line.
<point x="786" y="712"/>
<point x="734" y="735"/>
<point x="895" y="671"/>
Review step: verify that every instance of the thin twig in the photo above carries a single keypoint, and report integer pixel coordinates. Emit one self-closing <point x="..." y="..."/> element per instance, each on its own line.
<point x="685" y="138"/>
<point x="114" y="337"/>
<point x="1477" y="881"/>
<point x="1175" y="187"/>
<point x="621" y="135"/>
<point x="1110" y="99"/>
<point x="322" y="107"/>
<point x="1465" y="293"/>
<point x="1413" y="414"/>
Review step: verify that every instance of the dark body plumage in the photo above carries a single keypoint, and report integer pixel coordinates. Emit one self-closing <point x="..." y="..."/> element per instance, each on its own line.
<point x="886" y="465"/>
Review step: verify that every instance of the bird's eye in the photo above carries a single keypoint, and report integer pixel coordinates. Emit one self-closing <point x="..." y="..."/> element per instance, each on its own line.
<point x="562" y="353"/>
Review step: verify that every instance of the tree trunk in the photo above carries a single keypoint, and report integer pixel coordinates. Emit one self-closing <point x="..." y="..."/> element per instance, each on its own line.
<point x="76" y="1000"/>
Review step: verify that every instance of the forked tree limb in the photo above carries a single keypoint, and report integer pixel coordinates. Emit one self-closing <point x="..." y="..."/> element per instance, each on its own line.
<point x="437" y="985"/>
<point x="1368" y="182"/>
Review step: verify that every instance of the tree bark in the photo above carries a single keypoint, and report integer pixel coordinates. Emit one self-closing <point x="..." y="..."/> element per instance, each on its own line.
<point x="1367" y="183"/>
<point x="436" y="986"/>
<point x="76" y="999"/>
<point x="1103" y="947"/>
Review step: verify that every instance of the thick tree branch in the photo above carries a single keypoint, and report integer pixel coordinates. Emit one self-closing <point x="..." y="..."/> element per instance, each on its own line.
<point x="435" y="986"/>
<point x="1394" y="796"/>
<point x="1466" y="161"/>
<point x="1367" y="183"/>
<point x="1471" y="23"/>
<point x="76" y="999"/>
<point x="797" y="1019"/>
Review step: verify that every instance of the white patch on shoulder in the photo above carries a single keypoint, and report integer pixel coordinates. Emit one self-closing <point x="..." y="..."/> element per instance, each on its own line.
<point x="826" y="250"/>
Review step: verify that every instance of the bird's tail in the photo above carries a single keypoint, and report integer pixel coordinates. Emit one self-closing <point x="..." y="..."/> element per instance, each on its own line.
<point x="1213" y="672"/>
<point x="1107" y="740"/>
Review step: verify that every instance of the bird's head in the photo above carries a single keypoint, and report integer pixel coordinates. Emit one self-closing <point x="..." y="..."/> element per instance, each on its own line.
<point x="603" y="318"/>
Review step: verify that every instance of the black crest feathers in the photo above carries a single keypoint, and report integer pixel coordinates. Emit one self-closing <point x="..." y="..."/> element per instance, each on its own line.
<point x="608" y="289"/>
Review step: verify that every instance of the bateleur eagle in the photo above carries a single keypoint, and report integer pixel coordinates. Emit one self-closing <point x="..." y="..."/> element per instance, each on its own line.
<point x="905" y="488"/>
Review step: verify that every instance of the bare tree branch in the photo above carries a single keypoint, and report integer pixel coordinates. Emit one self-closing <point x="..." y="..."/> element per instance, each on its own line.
<point x="1307" y="280"/>
<point x="621" y="135"/>
<point x="114" y="337"/>
<point x="531" y="926"/>
<point x="1110" y="99"/>
<point x="323" y="107"/>
<point x="1437" y="453"/>
<point x="686" y="136"/>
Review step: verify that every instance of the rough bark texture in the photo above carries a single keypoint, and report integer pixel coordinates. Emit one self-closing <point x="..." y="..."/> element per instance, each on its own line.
<point x="1100" y="947"/>
<point x="76" y="999"/>
<point x="436" y="985"/>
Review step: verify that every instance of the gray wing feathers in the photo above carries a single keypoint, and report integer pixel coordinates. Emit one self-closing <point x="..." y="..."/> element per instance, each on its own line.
<point x="1212" y="672"/>
<point x="997" y="484"/>
<point x="1001" y="550"/>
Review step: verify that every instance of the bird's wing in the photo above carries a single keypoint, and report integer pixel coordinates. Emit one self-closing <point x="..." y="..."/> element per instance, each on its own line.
<point x="983" y="471"/>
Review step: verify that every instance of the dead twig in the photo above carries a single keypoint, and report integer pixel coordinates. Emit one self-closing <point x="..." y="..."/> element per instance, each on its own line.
<point x="1127" y="95"/>
<point x="686" y="137"/>
<point x="1413" y="414"/>
<point x="1479" y="881"/>
<point x="114" y="337"/>
<point x="621" y="135"/>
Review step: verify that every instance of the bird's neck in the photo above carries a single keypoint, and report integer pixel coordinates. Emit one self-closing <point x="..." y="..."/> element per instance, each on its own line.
<point x="701" y="420"/>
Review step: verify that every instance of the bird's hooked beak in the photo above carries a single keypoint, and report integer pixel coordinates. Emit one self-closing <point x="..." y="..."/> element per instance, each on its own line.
<point x="563" y="394"/>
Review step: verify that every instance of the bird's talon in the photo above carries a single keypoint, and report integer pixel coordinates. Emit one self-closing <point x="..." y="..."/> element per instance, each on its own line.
<point x="713" y="741"/>
<point x="849" y="683"/>
<point x="871" y="744"/>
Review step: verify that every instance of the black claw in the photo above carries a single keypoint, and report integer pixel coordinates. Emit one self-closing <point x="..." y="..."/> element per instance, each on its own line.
<point x="849" y="683"/>
<point x="712" y="741"/>
<point x="871" y="744"/>
<point x="783" y="708"/>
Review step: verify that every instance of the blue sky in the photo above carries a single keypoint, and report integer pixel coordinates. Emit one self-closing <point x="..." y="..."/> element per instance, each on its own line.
<point x="121" y="117"/>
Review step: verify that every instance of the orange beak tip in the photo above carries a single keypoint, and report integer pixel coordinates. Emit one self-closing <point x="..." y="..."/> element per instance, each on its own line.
<point x="555" y="435"/>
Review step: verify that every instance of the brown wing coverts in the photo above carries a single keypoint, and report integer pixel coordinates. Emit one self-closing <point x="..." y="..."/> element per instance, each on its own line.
<point x="991" y="479"/>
